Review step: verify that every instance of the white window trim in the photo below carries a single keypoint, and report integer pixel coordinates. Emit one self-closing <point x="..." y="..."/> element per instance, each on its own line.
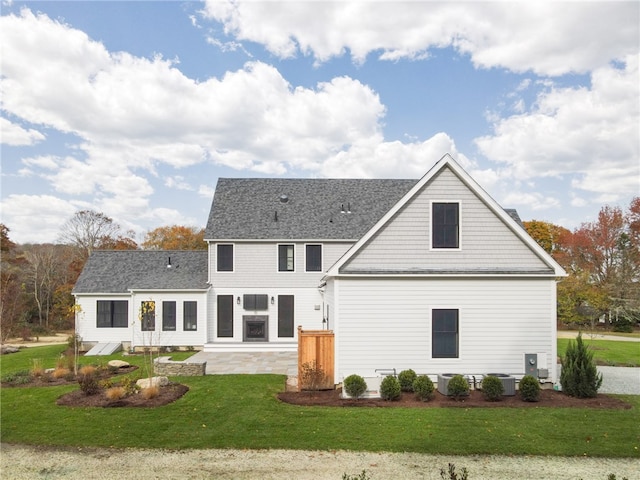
<point x="295" y="263"/>
<point x="321" y="258"/>
<point x="431" y="248"/>
<point x="233" y="267"/>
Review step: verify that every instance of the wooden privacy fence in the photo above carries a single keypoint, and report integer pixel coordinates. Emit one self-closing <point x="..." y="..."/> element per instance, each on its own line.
<point x="315" y="359"/>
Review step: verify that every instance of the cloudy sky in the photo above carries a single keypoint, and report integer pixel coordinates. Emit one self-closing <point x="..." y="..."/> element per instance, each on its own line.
<point x="135" y="109"/>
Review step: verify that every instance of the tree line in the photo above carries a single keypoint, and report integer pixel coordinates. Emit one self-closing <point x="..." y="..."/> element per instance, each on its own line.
<point x="601" y="257"/>
<point x="37" y="279"/>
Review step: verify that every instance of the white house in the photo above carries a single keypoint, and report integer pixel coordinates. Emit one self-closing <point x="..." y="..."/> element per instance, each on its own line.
<point x="431" y="275"/>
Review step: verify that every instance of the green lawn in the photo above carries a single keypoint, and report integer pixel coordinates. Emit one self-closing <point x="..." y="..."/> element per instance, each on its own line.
<point x="242" y="411"/>
<point x="608" y="352"/>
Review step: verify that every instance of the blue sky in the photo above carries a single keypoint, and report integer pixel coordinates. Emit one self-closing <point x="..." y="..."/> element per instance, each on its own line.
<point x="135" y="109"/>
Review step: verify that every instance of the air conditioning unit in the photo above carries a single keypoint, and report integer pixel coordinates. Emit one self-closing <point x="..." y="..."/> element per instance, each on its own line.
<point x="443" y="382"/>
<point x="508" y="383"/>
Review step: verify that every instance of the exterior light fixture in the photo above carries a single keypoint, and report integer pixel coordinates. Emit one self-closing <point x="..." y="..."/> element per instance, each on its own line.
<point x="273" y="300"/>
<point x="238" y="301"/>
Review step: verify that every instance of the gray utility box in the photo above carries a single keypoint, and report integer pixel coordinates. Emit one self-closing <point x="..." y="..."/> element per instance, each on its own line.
<point x="531" y="364"/>
<point x="508" y="383"/>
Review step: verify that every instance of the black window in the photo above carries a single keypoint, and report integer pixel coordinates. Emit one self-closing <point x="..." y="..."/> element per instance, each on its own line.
<point x="225" y="315"/>
<point x="225" y="258"/>
<point x="112" y="314"/>
<point x="445" y="229"/>
<point x="285" y="258"/>
<point x="313" y="257"/>
<point x="190" y="314"/>
<point x="285" y="315"/>
<point x="148" y="316"/>
<point x="444" y="333"/>
<point x="168" y="316"/>
<point x="255" y="302"/>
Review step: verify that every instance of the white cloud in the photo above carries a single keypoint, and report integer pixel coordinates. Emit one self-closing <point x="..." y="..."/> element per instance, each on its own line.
<point x="533" y="201"/>
<point x="548" y="38"/>
<point x="590" y="135"/>
<point x="15" y="135"/>
<point x="19" y="212"/>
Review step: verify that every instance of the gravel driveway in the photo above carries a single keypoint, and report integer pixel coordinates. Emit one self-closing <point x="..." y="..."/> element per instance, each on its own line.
<point x="23" y="462"/>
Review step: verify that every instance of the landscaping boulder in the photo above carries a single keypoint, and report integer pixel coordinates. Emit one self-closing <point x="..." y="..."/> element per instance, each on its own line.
<point x="118" y="364"/>
<point x="8" y="349"/>
<point x="153" y="381"/>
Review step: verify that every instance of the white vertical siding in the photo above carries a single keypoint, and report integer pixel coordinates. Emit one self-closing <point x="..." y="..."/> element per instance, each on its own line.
<point x="386" y="323"/>
<point x="485" y="241"/>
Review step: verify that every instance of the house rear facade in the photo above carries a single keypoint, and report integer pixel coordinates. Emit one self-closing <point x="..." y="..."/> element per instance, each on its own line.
<point x="431" y="275"/>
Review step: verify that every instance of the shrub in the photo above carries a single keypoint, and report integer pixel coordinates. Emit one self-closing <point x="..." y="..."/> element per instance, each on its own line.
<point x="116" y="393"/>
<point x="150" y="392"/>
<point x="406" y="379"/>
<point x="529" y="388"/>
<point x="61" y="372"/>
<point x="37" y="369"/>
<point x="88" y="380"/>
<point x="579" y="377"/>
<point x="312" y="376"/>
<point x="451" y="474"/>
<point x="363" y="476"/>
<point x="20" y="377"/>
<point x="492" y="388"/>
<point x="130" y="385"/>
<point x="390" y="388"/>
<point x="355" y="386"/>
<point x="458" y="387"/>
<point x="423" y="388"/>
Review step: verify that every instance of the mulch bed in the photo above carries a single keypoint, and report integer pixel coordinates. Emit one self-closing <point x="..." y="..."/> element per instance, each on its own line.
<point x="168" y="394"/>
<point x="548" y="398"/>
<point x="47" y="380"/>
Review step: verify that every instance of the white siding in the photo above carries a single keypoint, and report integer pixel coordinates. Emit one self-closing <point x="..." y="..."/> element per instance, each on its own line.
<point x="308" y="305"/>
<point x="386" y="323"/>
<point x="88" y="330"/>
<point x="256" y="265"/>
<point x="485" y="241"/>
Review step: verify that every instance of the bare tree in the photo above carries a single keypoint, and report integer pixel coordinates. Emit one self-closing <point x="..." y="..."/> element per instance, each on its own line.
<point x="47" y="270"/>
<point x="88" y="229"/>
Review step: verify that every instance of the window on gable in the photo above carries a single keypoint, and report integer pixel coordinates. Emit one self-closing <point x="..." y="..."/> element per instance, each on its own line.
<point x="445" y="225"/>
<point x="286" y="258"/>
<point x="444" y="333"/>
<point x="148" y="316"/>
<point x="255" y="302"/>
<point x="225" y="257"/>
<point x="190" y="315"/>
<point x="168" y="316"/>
<point x="112" y="314"/>
<point x="313" y="257"/>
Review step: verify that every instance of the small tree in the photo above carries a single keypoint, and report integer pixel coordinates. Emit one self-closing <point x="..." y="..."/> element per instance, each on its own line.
<point x="579" y="377"/>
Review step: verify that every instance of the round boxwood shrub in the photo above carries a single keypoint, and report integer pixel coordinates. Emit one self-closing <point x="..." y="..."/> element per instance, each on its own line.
<point x="423" y="388"/>
<point x="492" y="388"/>
<point x="355" y="386"/>
<point x="390" y="388"/>
<point x="529" y="388"/>
<point x="458" y="387"/>
<point x="406" y="379"/>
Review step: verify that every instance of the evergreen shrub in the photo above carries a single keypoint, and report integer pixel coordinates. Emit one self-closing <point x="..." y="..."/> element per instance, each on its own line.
<point x="579" y="377"/>
<point x="406" y="379"/>
<point x="390" y="388"/>
<point x="529" y="388"/>
<point x="458" y="387"/>
<point x="423" y="388"/>
<point x="492" y="388"/>
<point x="355" y="386"/>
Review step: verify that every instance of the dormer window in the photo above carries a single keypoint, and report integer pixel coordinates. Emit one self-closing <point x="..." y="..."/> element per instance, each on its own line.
<point x="445" y="225"/>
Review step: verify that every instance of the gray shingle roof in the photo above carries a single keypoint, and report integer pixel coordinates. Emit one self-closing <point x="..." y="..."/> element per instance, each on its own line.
<point x="252" y="208"/>
<point x="117" y="271"/>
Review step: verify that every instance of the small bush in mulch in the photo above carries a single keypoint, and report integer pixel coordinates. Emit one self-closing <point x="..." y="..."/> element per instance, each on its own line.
<point x="458" y="387"/>
<point x="165" y="395"/>
<point x="390" y="388"/>
<point x="529" y="388"/>
<point x="355" y="386"/>
<point x="492" y="388"/>
<point x="423" y="388"/>
<point x="406" y="379"/>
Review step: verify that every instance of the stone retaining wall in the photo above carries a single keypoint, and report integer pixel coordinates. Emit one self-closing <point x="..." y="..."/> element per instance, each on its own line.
<point x="169" y="368"/>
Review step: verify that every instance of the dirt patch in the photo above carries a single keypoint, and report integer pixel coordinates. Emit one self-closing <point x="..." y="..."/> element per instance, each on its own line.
<point x="548" y="398"/>
<point x="167" y="394"/>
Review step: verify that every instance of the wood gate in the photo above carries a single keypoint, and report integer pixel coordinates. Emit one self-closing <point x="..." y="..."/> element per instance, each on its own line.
<point x="315" y="359"/>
